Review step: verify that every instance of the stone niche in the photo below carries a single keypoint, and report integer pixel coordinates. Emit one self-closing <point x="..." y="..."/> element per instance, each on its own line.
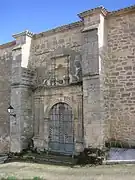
<point x="59" y="70"/>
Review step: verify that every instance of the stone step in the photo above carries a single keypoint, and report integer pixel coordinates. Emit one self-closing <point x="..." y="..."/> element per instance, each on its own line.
<point x="113" y="162"/>
<point x="3" y="158"/>
<point x="56" y="159"/>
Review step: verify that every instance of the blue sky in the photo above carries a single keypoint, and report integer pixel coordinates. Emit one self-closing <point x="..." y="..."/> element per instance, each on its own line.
<point x="41" y="15"/>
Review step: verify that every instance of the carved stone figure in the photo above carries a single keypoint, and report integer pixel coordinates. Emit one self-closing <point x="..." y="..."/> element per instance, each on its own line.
<point x="78" y="69"/>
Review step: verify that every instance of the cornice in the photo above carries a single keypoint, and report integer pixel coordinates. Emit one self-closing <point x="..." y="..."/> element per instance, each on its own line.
<point x="24" y="33"/>
<point x="90" y="12"/>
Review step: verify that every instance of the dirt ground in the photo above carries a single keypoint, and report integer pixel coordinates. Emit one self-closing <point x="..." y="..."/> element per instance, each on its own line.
<point x="51" y="172"/>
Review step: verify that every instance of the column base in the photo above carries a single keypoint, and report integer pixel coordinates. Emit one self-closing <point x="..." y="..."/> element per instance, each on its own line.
<point x="79" y="147"/>
<point x="40" y="143"/>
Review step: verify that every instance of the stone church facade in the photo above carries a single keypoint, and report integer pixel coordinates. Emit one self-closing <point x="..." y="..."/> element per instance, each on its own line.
<point x="71" y="87"/>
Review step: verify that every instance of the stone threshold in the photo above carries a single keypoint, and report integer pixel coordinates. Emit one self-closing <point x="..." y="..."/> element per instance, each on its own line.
<point x="3" y="158"/>
<point x="112" y="162"/>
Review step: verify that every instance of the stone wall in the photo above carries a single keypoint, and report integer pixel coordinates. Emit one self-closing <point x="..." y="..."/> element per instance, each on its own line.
<point x="5" y="89"/>
<point x="71" y="64"/>
<point x="45" y="43"/>
<point x="120" y="60"/>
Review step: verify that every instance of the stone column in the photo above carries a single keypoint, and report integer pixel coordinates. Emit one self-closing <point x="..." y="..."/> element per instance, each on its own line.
<point x="93" y="111"/>
<point x="21" y="127"/>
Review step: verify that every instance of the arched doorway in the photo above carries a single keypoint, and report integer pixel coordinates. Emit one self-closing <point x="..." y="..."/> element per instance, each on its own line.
<point x="61" y="133"/>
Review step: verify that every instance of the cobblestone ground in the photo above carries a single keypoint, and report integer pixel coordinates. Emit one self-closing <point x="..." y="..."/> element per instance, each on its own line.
<point x="51" y="172"/>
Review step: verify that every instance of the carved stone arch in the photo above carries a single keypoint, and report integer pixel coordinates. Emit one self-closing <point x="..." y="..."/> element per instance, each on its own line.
<point x="56" y="101"/>
<point x="61" y="128"/>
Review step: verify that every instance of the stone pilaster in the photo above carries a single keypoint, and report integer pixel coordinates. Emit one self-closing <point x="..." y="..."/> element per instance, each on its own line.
<point x="36" y="116"/>
<point x="93" y="111"/>
<point x="41" y="122"/>
<point x="78" y="124"/>
<point x="21" y="127"/>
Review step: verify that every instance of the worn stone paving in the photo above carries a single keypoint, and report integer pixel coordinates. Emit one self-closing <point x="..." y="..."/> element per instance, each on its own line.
<point x="53" y="172"/>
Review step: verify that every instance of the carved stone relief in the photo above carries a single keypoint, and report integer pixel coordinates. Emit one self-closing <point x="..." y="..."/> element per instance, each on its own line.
<point x="78" y="69"/>
<point x="64" y="67"/>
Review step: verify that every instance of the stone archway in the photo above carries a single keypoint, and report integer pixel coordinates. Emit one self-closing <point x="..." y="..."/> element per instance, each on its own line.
<point x="61" y="130"/>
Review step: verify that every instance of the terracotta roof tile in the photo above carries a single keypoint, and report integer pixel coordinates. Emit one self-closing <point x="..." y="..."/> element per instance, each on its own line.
<point x="106" y="12"/>
<point x="122" y="11"/>
<point x="7" y="45"/>
<point x="97" y="9"/>
<point x="79" y="23"/>
<point x="58" y="29"/>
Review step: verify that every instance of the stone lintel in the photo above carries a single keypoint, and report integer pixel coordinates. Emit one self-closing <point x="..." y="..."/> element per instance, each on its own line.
<point x="22" y="85"/>
<point x="18" y="47"/>
<point x="91" y="75"/>
<point x="89" y="28"/>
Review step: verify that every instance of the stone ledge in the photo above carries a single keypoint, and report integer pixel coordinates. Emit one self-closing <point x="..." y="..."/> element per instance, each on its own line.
<point x="90" y="28"/>
<point x="113" y="162"/>
<point x="91" y="75"/>
<point x="3" y="158"/>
